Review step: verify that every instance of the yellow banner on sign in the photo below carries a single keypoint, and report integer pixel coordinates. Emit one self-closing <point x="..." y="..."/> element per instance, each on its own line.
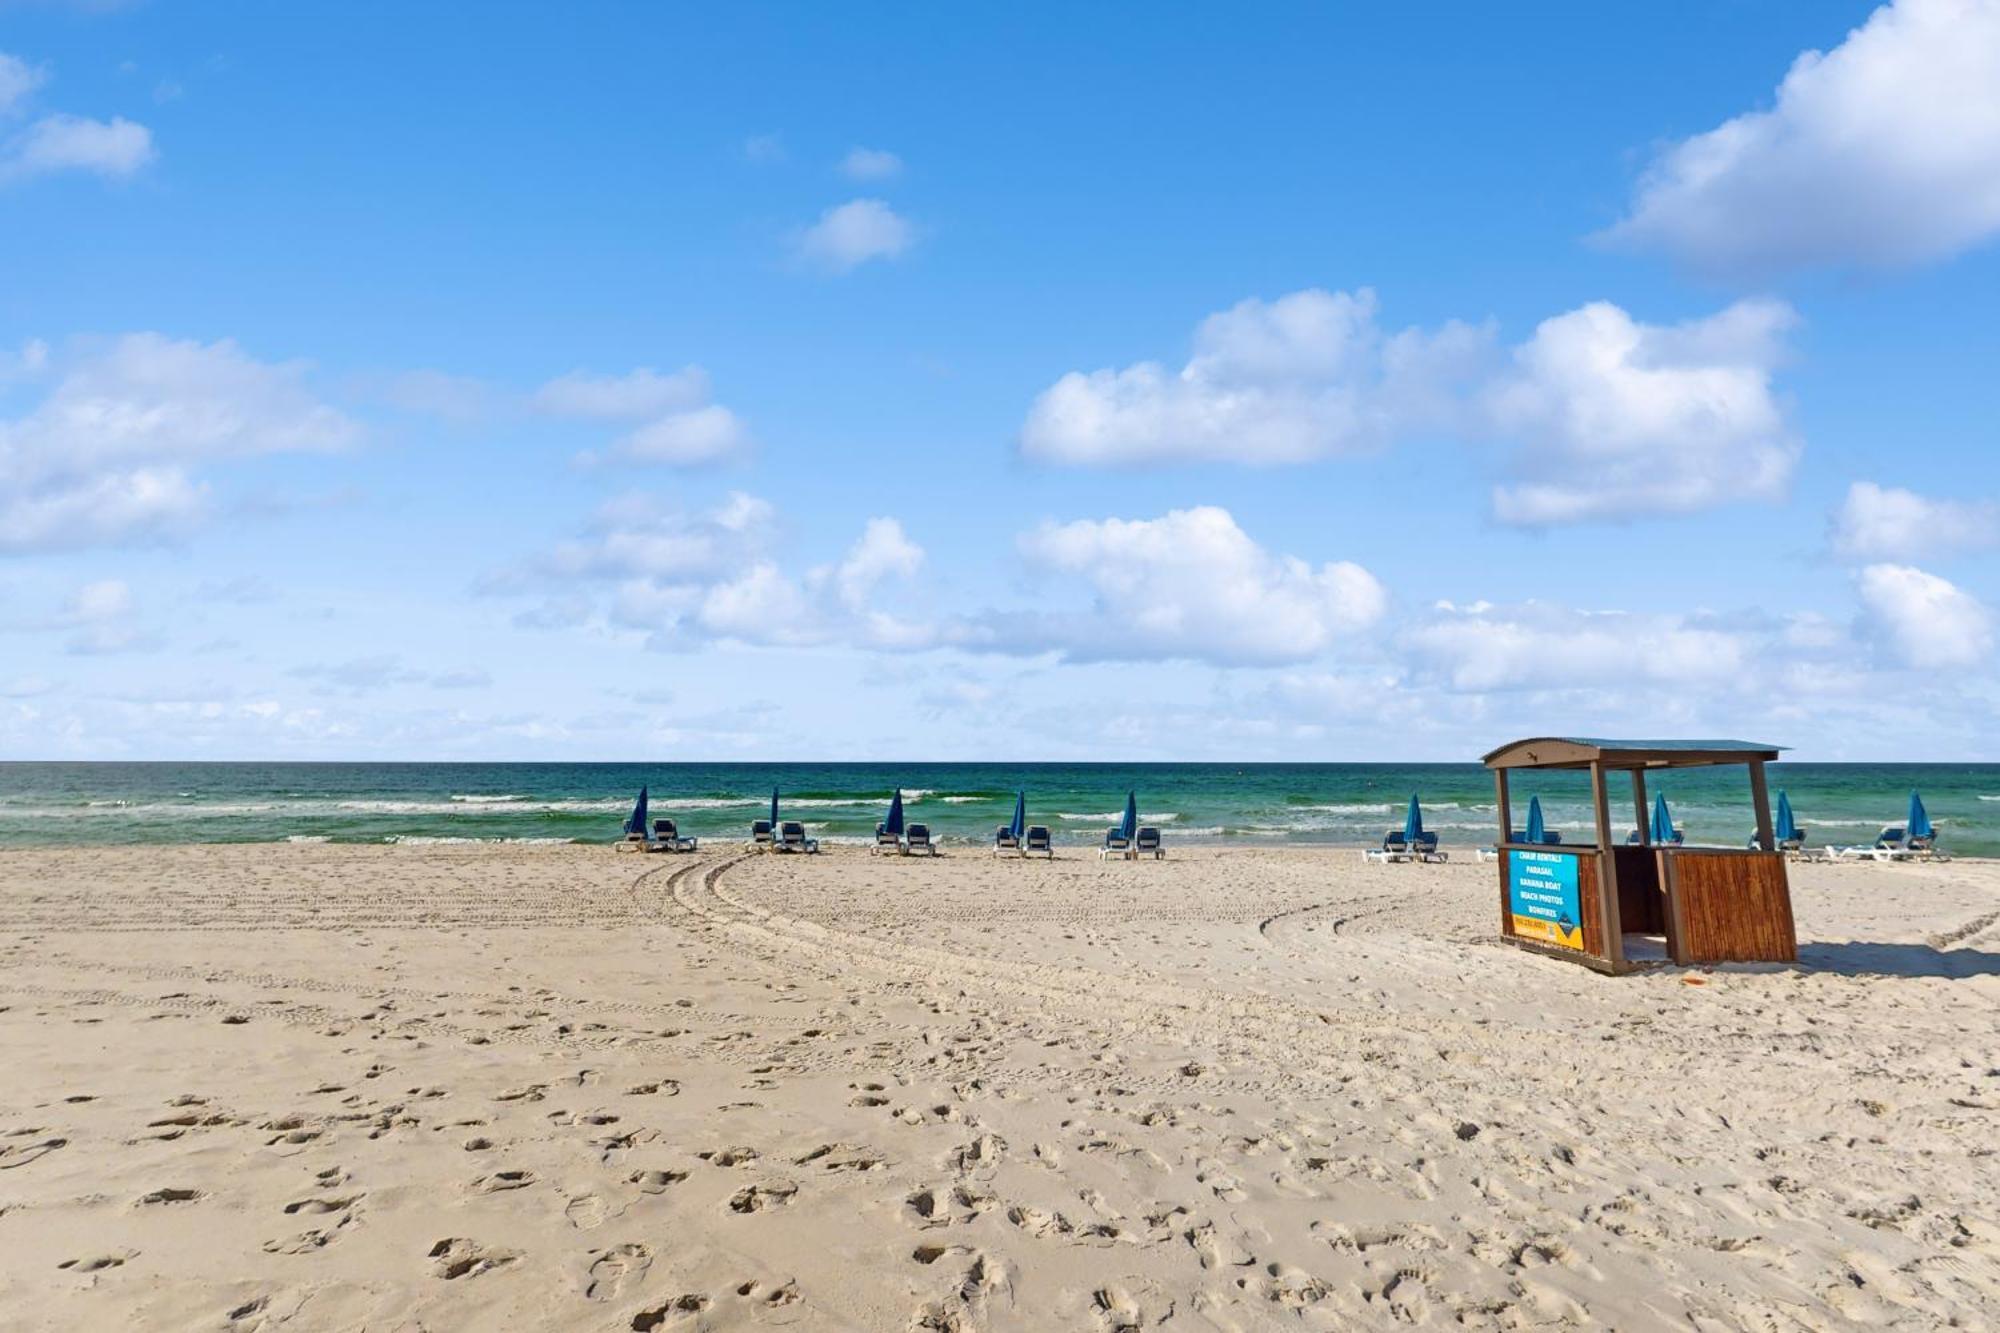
<point x="1549" y="932"/>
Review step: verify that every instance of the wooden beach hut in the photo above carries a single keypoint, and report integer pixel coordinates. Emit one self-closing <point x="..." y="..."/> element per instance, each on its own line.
<point x="1615" y="905"/>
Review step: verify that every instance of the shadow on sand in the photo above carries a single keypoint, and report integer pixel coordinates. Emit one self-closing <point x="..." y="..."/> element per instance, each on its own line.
<point x="1858" y="958"/>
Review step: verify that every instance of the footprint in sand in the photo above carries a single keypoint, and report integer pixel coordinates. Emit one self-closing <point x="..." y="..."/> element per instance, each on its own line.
<point x="20" y="1154"/>
<point x="172" y="1195"/>
<point x="611" y="1271"/>
<point x="456" y="1257"/>
<point x="586" y="1211"/>
<point x="768" y="1194"/>
<point x="840" y="1157"/>
<point x="728" y="1156"/>
<point x="679" y="1308"/>
<point x="322" y="1205"/>
<point x="655" y="1182"/>
<point x="98" y="1262"/>
<point x="503" y="1180"/>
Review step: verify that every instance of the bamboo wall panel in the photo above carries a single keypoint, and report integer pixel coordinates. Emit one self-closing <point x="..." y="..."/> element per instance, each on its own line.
<point x="1736" y="906"/>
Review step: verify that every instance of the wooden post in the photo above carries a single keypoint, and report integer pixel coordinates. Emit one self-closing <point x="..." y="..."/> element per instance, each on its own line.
<point x="1760" y="797"/>
<point x="1607" y="870"/>
<point x="1641" y="823"/>
<point x="1506" y="836"/>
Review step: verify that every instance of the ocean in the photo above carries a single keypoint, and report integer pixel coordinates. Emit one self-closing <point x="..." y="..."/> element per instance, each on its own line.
<point x="1240" y="804"/>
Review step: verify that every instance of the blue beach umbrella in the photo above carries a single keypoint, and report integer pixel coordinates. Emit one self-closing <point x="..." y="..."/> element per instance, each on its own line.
<point x="894" y="823"/>
<point x="1919" y="823"/>
<point x="774" y="807"/>
<point x="1020" y="824"/>
<point x="1413" y="822"/>
<point x="1537" y="831"/>
<point x="1663" y="820"/>
<point x="1129" y="826"/>
<point x="637" y="823"/>
<point x="1788" y="825"/>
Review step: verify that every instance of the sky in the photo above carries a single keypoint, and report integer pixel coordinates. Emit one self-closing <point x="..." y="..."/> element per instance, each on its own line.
<point x="1318" y="382"/>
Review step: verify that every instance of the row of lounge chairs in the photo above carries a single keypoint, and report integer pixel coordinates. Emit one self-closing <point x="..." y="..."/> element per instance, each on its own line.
<point x="665" y="837"/>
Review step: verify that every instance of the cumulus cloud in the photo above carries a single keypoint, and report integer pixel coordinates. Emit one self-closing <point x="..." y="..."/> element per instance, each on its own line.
<point x="853" y="233"/>
<point x="675" y="422"/>
<point x="1188" y="585"/>
<point x="1921" y="620"/>
<point x="103" y="618"/>
<point x="115" y="148"/>
<point x="1882" y="152"/>
<point x="688" y="577"/>
<point x="108" y="453"/>
<point x="1307" y="376"/>
<point x="1890" y="523"/>
<point x="1612" y="418"/>
<point x="1602" y="415"/>
<point x="870" y="164"/>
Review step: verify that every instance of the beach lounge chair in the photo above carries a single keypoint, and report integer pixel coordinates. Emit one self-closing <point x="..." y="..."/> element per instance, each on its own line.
<point x="1395" y="847"/>
<point x="1891" y="844"/>
<point x="919" y="836"/>
<point x="761" y="837"/>
<point x="667" y="837"/>
<point x="1149" y="841"/>
<point x="885" y="841"/>
<point x="1004" y="840"/>
<point x="1425" y="848"/>
<point x="1678" y="840"/>
<point x="1114" y="842"/>
<point x="1038" y="840"/>
<point x="792" y="838"/>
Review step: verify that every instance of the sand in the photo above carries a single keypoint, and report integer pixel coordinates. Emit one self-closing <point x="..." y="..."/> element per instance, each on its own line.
<point x="486" y="1087"/>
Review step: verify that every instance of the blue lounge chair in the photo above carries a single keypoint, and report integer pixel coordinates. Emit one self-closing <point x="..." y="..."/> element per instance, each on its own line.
<point x="1004" y="840"/>
<point x="1148" y="840"/>
<point x="1395" y="847"/>
<point x="919" y="838"/>
<point x="1425" y="848"/>
<point x="762" y="839"/>
<point x="1115" y="841"/>
<point x="885" y="841"/>
<point x="792" y="838"/>
<point x="1038" y="840"/>
<point x="667" y="837"/>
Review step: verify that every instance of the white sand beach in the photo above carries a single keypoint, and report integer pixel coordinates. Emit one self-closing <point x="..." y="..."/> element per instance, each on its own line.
<point x="255" y="1087"/>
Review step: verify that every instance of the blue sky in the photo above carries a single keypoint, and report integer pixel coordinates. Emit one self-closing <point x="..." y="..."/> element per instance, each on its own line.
<point x="787" y="382"/>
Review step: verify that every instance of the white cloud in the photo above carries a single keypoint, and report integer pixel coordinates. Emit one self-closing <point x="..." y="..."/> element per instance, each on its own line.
<point x="1307" y="376"/>
<point x="640" y="393"/>
<point x="1889" y="523"/>
<point x="1538" y="646"/>
<point x="689" y="578"/>
<point x="855" y="232"/>
<point x="678" y="425"/>
<point x="1615" y="418"/>
<point x="870" y="164"/>
<point x="1884" y="151"/>
<point x="1922" y="620"/>
<point x="18" y="79"/>
<point x="103" y="616"/>
<point x="1190" y="584"/>
<point x="883" y="551"/>
<point x="116" y="147"/>
<point x="106" y="455"/>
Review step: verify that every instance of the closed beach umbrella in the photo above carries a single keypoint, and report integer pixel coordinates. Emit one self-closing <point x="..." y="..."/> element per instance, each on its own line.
<point x="1663" y="820"/>
<point x="1536" y="830"/>
<point x="1919" y="823"/>
<point x="1788" y="825"/>
<point x="894" y="823"/>
<point x="1020" y="824"/>
<point x="637" y="823"/>
<point x="1129" y="826"/>
<point x="1413" y="822"/>
<point x="774" y="807"/>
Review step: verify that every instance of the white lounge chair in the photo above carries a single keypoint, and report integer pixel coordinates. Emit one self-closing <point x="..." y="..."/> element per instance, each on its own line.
<point x="918" y="837"/>
<point x="1038" y="840"/>
<point x="1149" y="841"/>
<point x="792" y="838"/>
<point x="762" y="838"/>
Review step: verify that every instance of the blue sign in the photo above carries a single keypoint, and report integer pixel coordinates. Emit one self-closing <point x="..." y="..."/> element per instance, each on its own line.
<point x="1542" y="898"/>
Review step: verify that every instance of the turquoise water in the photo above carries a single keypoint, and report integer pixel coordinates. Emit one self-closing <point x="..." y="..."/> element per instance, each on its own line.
<point x="1248" y="804"/>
